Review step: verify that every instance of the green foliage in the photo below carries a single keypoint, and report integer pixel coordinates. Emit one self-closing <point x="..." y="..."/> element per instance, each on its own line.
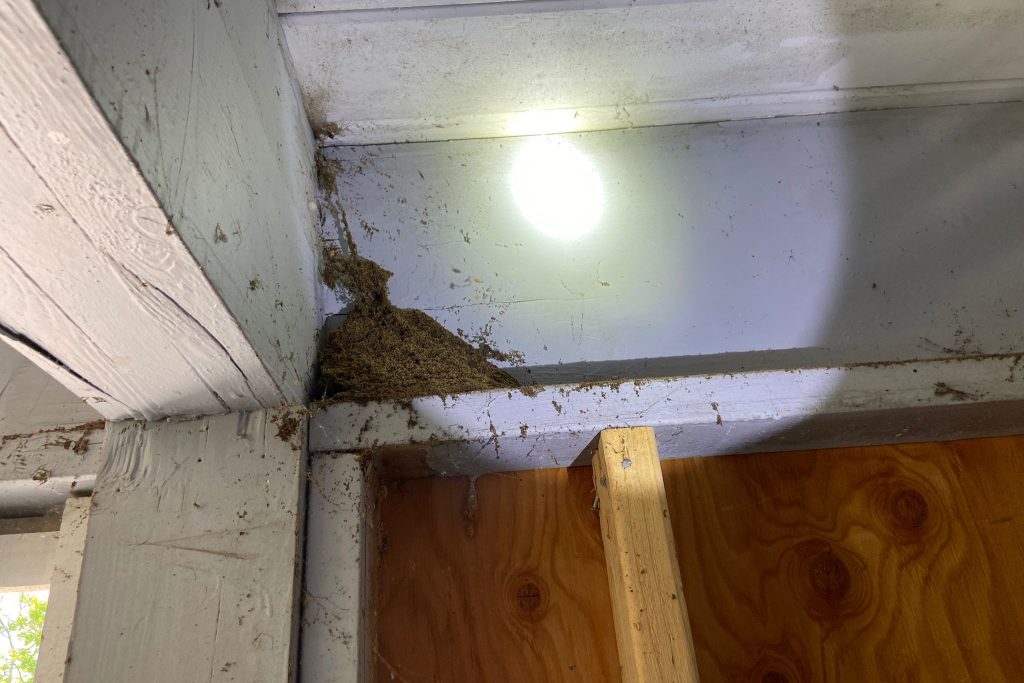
<point x="22" y="632"/>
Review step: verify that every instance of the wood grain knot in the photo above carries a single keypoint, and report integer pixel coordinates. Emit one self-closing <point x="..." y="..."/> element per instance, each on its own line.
<point x="908" y="510"/>
<point x="906" y="507"/>
<point x="830" y="577"/>
<point x="777" y="664"/>
<point x="529" y="596"/>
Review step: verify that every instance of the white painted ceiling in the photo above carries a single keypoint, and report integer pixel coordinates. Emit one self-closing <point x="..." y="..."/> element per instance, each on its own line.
<point x="402" y="70"/>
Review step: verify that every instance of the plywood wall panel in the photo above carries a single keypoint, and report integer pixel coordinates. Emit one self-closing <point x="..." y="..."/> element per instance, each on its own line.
<point x="884" y="563"/>
<point x="880" y="563"/>
<point x="504" y="584"/>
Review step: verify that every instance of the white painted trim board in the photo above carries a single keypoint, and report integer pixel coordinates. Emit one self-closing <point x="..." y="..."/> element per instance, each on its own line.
<point x="492" y="431"/>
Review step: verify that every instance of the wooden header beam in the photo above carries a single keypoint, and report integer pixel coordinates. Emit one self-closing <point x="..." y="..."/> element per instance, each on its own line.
<point x="157" y="250"/>
<point x="652" y="628"/>
<point x="495" y="431"/>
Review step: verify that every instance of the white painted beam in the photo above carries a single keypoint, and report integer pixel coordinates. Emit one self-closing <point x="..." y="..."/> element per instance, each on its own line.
<point x="63" y="599"/>
<point x="550" y="426"/>
<point x="203" y="97"/>
<point x="39" y="470"/>
<point x="193" y="552"/>
<point x="339" y="555"/>
<point x="158" y="256"/>
<point x="321" y="6"/>
<point x="797" y="242"/>
<point x="417" y="70"/>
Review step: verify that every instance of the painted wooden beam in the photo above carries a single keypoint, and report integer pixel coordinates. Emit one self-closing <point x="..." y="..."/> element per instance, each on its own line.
<point x="204" y="98"/>
<point x="543" y="427"/>
<point x="751" y="245"/>
<point x="159" y="254"/>
<point x="337" y="632"/>
<point x="62" y="602"/>
<point x="39" y="470"/>
<point x="192" y="557"/>
<point x="652" y="628"/>
<point x="381" y="71"/>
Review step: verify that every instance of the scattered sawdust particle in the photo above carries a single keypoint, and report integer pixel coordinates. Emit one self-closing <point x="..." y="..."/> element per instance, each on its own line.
<point x="315" y="101"/>
<point x="367" y="426"/>
<point x="604" y="284"/>
<point x="530" y="390"/>
<point x="42" y="475"/>
<point x="523" y="429"/>
<point x="558" y="408"/>
<point x="334" y="265"/>
<point x="1013" y="367"/>
<point x="287" y="426"/>
<point x="943" y="389"/>
<point x="79" y="446"/>
<point x="714" y="405"/>
<point x="255" y="284"/>
<point x="465" y="237"/>
<point x="612" y="385"/>
<point x="218" y="234"/>
<point x="327" y="171"/>
<point x="512" y="357"/>
<point x="718" y="420"/>
<point x="327" y="129"/>
<point x="481" y="342"/>
<point x="368" y="228"/>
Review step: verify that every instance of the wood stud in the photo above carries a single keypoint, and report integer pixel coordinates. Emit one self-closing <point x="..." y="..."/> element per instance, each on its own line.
<point x="651" y="625"/>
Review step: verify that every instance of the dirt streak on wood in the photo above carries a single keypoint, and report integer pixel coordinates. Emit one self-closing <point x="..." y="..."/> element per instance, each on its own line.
<point x="889" y="562"/>
<point x="80" y="444"/>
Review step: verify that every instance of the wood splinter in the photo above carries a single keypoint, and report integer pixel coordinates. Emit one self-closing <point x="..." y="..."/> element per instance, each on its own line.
<point x="652" y="629"/>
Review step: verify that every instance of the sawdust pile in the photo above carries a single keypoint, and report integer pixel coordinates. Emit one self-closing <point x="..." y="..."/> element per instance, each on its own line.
<point x="386" y="353"/>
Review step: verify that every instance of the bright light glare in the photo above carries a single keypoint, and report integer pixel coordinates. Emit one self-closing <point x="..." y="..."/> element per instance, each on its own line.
<point x="557" y="188"/>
